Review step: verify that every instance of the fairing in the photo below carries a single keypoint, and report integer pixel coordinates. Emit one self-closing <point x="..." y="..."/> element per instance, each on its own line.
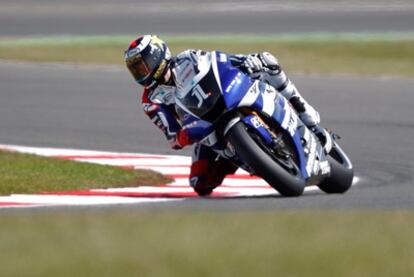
<point x="221" y="87"/>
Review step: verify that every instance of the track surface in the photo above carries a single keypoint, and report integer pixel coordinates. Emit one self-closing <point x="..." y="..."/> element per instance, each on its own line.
<point x="27" y="17"/>
<point x="95" y="108"/>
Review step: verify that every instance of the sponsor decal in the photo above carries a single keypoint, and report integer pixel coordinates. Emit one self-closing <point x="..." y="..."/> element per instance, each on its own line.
<point x="235" y="81"/>
<point x="199" y="93"/>
<point x="184" y="73"/>
<point x="133" y="52"/>
<point x="163" y="95"/>
<point x="223" y="58"/>
<point x="324" y="167"/>
<point x="292" y="125"/>
<point x="256" y="122"/>
<point x="193" y="181"/>
<point x="311" y="157"/>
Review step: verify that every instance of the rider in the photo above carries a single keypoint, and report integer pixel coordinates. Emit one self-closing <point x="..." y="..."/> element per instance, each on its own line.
<point x="150" y="62"/>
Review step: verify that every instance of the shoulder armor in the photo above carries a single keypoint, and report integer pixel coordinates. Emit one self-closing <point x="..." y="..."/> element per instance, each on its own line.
<point x="162" y="94"/>
<point x="191" y="54"/>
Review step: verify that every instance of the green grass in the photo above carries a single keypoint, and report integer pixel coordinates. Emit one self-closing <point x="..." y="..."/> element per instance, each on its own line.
<point x="24" y="173"/>
<point x="326" y="54"/>
<point x="132" y="243"/>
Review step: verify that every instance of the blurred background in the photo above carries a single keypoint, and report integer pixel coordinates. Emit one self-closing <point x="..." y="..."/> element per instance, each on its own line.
<point x="59" y="17"/>
<point x="63" y="83"/>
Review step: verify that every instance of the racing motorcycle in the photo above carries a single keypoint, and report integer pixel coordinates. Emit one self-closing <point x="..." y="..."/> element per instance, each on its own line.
<point x="250" y="123"/>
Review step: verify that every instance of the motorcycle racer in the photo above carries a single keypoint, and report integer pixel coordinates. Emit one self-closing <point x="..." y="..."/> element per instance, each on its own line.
<point x="150" y="62"/>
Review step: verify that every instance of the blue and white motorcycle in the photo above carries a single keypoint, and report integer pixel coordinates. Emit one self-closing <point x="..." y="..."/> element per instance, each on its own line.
<point x="250" y="123"/>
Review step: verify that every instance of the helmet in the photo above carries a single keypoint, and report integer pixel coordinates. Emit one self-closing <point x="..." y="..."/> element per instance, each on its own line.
<point x="147" y="58"/>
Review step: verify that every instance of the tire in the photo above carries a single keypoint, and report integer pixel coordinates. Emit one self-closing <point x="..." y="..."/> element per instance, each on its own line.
<point x="262" y="164"/>
<point x="342" y="174"/>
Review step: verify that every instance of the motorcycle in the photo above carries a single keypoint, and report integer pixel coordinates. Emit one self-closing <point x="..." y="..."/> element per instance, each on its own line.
<point x="248" y="122"/>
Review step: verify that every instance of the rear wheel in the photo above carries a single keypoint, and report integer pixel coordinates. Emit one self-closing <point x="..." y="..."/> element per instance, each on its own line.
<point x="278" y="168"/>
<point x="342" y="174"/>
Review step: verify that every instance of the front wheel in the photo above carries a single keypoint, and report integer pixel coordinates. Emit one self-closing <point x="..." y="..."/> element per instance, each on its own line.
<point x="284" y="176"/>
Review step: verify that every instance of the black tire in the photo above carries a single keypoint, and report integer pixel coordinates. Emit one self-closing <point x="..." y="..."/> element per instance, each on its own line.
<point x="342" y="174"/>
<point x="262" y="164"/>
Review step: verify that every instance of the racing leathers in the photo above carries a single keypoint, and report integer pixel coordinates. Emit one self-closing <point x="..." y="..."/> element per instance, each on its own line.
<point x="208" y="168"/>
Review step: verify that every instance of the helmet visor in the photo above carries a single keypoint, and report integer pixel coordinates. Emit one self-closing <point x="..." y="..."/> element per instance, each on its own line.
<point x="144" y="64"/>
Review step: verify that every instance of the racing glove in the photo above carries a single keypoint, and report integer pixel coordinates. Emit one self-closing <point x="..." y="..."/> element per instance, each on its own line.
<point x="252" y="64"/>
<point x="180" y="140"/>
<point x="261" y="63"/>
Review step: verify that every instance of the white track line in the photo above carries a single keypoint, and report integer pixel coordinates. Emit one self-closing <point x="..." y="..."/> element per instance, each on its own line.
<point x="240" y="185"/>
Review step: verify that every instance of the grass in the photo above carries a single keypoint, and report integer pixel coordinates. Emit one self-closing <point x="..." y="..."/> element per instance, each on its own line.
<point x="25" y="173"/>
<point x="366" y="55"/>
<point x="132" y="243"/>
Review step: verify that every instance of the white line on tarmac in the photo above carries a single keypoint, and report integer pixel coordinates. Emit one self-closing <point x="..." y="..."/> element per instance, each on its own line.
<point x="239" y="186"/>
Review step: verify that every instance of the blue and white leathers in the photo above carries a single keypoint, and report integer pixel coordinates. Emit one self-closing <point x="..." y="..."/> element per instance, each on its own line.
<point x="211" y="87"/>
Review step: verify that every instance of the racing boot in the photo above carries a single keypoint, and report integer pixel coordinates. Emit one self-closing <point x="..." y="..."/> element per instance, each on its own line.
<point x="206" y="175"/>
<point x="306" y="112"/>
<point x="310" y="117"/>
<point x="320" y="133"/>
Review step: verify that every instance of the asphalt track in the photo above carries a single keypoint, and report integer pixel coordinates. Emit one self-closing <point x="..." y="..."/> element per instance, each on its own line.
<point x="97" y="108"/>
<point x="61" y="17"/>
